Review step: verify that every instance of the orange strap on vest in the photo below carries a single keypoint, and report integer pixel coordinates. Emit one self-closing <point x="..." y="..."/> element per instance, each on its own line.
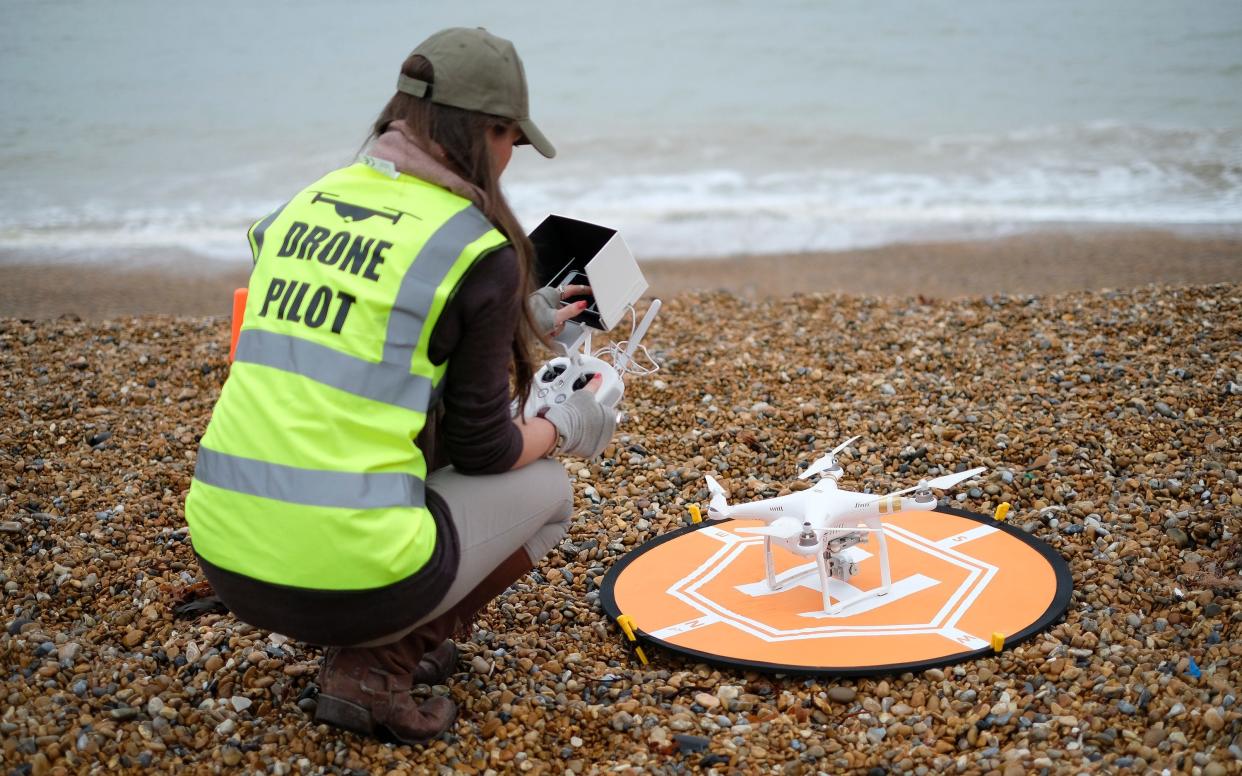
<point x="239" y="312"/>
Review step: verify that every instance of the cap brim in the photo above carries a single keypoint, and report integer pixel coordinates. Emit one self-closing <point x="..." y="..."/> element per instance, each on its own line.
<point x="532" y="135"/>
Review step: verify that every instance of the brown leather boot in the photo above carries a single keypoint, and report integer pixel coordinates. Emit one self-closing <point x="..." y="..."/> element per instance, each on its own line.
<point x="437" y="665"/>
<point x="367" y="690"/>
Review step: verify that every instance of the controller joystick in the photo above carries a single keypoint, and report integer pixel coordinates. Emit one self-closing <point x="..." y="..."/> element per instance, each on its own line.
<point x="551" y="372"/>
<point x="560" y="377"/>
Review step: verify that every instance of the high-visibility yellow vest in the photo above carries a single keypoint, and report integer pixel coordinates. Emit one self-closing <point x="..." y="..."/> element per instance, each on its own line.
<point x="308" y="474"/>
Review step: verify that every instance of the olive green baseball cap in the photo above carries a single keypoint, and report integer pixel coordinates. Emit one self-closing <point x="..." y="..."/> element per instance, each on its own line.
<point x="476" y="70"/>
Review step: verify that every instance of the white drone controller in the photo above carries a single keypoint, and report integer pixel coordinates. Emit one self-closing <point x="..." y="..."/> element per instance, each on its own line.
<point x="556" y="380"/>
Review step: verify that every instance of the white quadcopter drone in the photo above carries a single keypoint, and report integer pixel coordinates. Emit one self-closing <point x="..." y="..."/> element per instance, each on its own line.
<point x="824" y="522"/>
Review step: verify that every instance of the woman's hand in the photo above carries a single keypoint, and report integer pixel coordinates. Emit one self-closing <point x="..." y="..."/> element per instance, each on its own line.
<point x="540" y="435"/>
<point x="548" y="312"/>
<point x="583" y="425"/>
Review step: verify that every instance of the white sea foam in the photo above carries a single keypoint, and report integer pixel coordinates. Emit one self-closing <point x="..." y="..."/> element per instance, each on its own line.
<point x="994" y="186"/>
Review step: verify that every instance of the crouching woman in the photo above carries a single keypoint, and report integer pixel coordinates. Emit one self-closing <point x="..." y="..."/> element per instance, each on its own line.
<point x="362" y="484"/>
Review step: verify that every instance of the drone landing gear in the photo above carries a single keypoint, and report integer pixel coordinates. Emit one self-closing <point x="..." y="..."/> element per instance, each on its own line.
<point x="831" y="565"/>
<point x="783" y="580"/>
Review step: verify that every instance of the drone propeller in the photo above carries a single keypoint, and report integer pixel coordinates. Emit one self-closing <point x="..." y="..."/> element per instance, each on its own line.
<point x="719" y="498"/>
<point x="943" y="482"/>
<point x="827" y="462"/>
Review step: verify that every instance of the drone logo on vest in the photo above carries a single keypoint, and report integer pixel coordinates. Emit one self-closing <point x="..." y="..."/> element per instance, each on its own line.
<point x="351" y="213"/>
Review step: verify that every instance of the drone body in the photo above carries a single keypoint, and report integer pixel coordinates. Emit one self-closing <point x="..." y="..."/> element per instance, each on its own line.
<point x="824" y="521"/>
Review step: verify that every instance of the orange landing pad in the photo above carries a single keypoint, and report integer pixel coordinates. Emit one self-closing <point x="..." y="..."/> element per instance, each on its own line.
<point x="958" y="578"/>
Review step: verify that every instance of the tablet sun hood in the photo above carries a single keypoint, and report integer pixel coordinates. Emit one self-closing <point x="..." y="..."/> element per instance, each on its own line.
<point x="565" y="246"/>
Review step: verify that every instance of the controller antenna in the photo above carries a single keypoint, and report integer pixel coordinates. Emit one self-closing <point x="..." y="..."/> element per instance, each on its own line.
<point x="627" y="355"/>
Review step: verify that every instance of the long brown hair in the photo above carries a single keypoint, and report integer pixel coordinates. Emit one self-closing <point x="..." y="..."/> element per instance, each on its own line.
<point x="463" y="136"/>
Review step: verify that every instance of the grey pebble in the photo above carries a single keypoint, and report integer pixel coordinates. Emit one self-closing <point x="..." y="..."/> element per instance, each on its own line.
<point x="842" y="694"/>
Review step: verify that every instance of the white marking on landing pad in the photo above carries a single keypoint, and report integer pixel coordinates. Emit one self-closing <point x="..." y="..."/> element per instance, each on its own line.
<point x="963" y="594"/>
<point x="963" y="638"/>
<point x="968" y="536"/>
<point x="900" y="589"/>
<point x="721" y="534"/>
<point x="685" y="627"/>
<point x="760" y="588"/>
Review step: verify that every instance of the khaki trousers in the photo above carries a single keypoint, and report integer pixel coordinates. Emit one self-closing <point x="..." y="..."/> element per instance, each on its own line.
<point x="494" y="515"/>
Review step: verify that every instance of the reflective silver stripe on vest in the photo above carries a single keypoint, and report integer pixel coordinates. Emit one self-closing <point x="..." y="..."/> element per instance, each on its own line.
<point x="387" y="383"/>
<point x="418" y="287"/>
<point x="261" y="228"/>
<point x="311" y="487"/>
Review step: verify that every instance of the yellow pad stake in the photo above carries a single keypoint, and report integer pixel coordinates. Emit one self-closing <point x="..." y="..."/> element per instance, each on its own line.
<point x="695" y="515"/>
<point x="998" y="641"/>
<point x="627" y="627"/>
<point x="1001" y="511"/>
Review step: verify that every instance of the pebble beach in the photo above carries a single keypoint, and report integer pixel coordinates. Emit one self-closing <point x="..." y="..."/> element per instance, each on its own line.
<point x="1109" y="420"/>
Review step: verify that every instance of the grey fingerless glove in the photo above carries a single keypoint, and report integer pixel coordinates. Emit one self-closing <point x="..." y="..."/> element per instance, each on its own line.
<point x="543" y="304"/>
<point x="584" y="425"/>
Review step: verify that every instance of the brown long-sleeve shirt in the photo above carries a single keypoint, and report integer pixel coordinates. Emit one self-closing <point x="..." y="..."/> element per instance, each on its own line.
<point x="472" y="428"/>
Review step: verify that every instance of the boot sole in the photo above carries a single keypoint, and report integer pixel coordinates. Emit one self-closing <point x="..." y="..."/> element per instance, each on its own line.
<point x="344" y="714"/>
<point x="355" y="718"/>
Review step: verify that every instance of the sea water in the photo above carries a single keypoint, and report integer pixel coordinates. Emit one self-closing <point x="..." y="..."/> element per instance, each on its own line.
<point x="143" y="129"/>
